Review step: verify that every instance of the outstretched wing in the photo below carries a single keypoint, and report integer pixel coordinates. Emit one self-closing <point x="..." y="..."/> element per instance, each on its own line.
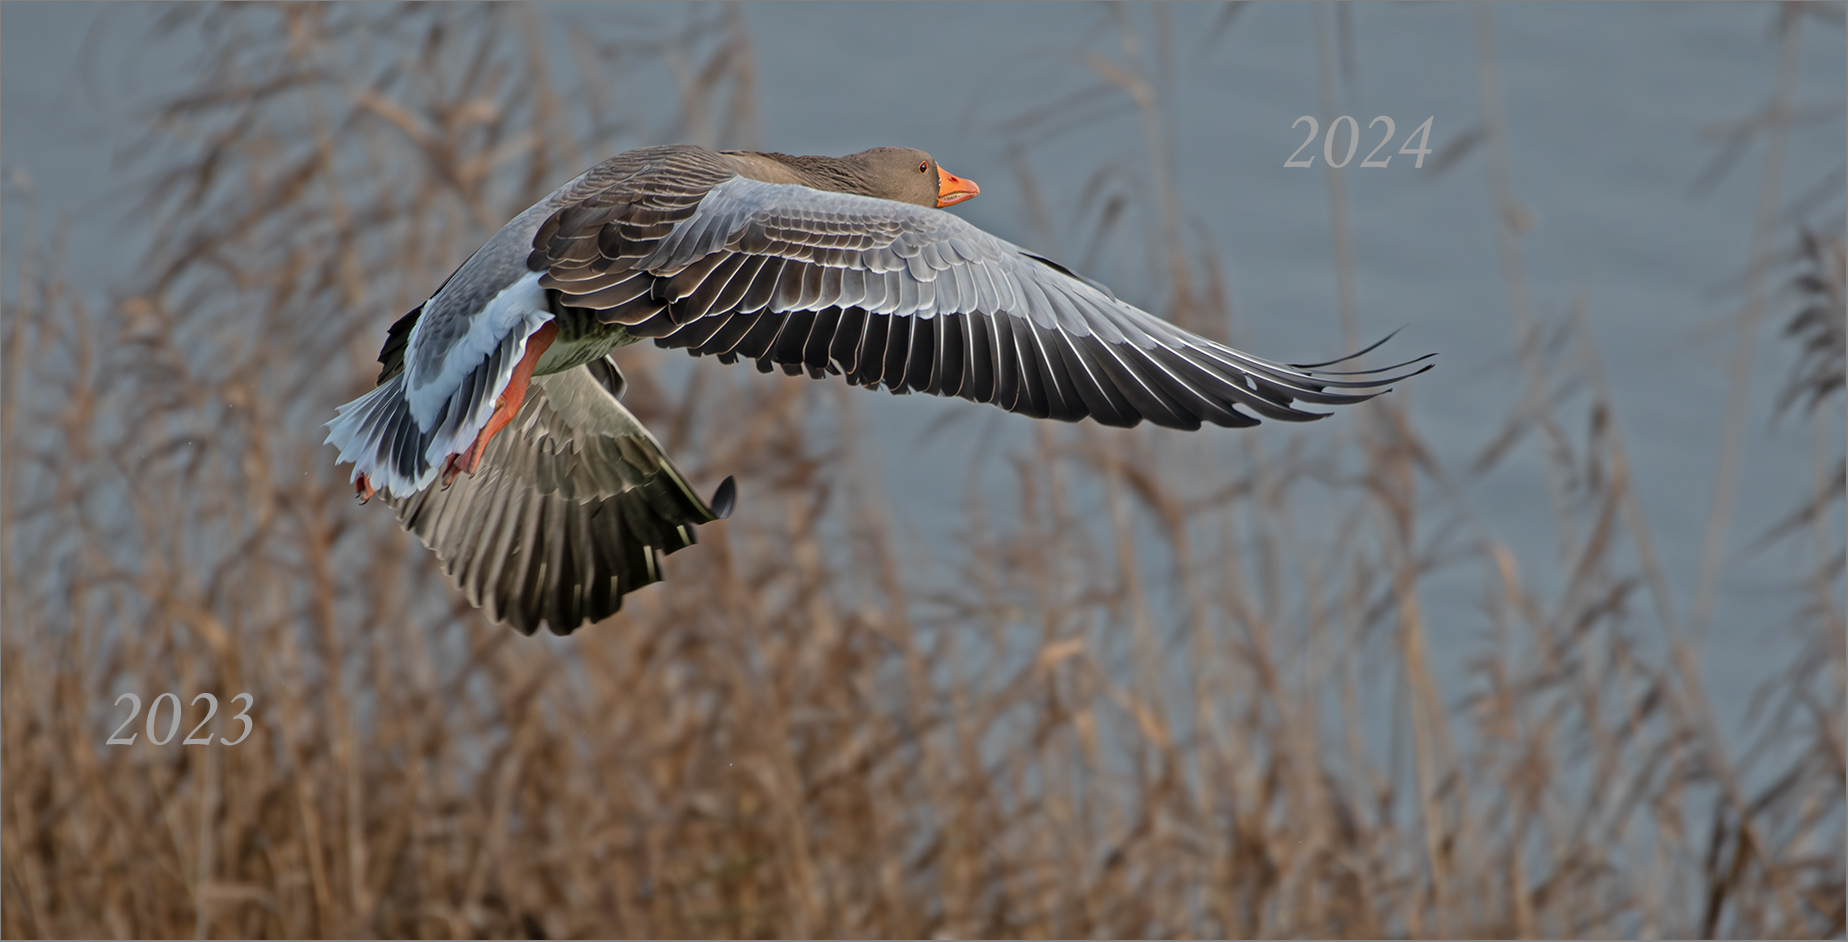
<point x="908" y="297"/>
<point x="572" y="506"/>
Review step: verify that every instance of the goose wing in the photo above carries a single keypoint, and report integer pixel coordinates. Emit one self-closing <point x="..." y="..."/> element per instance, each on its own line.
<point x="573" y="505"/>
<point x="901" y="296"/>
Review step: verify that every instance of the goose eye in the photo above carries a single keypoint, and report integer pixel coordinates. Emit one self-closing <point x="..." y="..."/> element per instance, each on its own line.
<point x="924" y="167"/>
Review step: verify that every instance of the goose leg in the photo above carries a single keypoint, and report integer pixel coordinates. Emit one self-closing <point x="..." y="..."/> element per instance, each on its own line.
<point x="507" y="406"/>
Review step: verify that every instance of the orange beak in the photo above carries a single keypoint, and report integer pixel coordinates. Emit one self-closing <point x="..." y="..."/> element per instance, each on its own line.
<point x="952" y="189"/>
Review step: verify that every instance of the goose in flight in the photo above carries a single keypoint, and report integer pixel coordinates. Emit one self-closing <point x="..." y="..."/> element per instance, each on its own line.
<point x="497" y="431"/>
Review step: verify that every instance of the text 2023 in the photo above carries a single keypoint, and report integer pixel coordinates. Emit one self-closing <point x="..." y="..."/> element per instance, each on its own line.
<point x="193" y="738"/>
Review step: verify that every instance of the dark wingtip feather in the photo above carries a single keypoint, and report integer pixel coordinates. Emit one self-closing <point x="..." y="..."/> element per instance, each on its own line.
<point x="723" y="499"/>
<point x="1383" y="369"/>
<point x="1363" y="352"/>
<point x="1392" y="381"/>
<point x="1358" y="353"/>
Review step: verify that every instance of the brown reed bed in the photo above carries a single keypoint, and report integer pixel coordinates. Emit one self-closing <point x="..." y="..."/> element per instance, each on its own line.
<point x="1137" y="701"/>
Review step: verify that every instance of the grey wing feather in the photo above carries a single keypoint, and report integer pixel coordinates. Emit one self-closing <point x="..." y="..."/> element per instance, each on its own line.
<point x="572" y="506"/>
<point x="914" y="299"/>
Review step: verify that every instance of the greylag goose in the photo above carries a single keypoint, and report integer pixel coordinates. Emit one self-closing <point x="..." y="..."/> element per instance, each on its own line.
<point x="497" y="430"/>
